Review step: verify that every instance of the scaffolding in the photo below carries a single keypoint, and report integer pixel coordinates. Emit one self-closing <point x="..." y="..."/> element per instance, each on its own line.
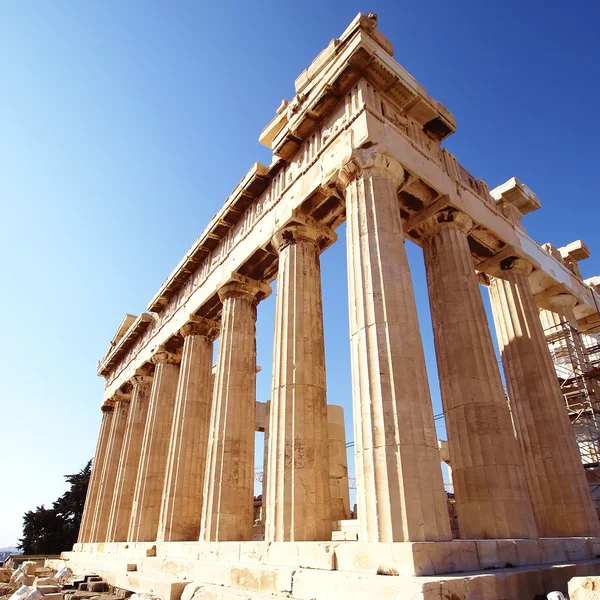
<point x="576" y="358"/>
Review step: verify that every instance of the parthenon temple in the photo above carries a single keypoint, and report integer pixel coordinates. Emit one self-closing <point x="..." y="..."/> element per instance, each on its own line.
<point x="171" y="508"/>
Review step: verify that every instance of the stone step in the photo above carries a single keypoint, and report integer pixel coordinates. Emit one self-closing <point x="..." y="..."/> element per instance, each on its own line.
<point x="203" y="591"/>
<point x="236" y="582"/>
<point x="499" y="584"/>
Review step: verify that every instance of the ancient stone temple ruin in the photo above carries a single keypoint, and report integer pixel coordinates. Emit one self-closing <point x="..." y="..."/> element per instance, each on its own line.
<point x="170" y="508"/>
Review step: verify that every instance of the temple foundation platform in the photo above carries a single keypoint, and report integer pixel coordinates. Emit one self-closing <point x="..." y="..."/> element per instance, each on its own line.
<point x="465" y="569"/>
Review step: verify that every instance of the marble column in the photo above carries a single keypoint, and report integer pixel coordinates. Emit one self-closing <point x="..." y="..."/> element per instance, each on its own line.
<point x="186" y="464"/>
<point x="298" y="501"/>
<point x="400" y="491"/>
<point x="562" y="503"/>
<point x="91" y="498"/>
<point x="129" y="461"/>
<point x="228" y="508"/>
<point x="150" y="480"/>
<point x="339" y="490"/>
<point x="492" y="499"/>
<point x="110" y="467"/>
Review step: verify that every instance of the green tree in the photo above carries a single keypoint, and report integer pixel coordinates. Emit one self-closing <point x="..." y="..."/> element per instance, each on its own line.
<point x="53" y="530"/>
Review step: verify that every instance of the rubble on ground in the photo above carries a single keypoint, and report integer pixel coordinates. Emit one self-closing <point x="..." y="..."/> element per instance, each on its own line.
<point x="32" y="582"/>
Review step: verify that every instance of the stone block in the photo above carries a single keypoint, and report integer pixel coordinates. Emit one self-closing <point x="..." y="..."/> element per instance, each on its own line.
<point x="556" y="578"/>
<point x="254" y="552"/>
<point x="45" y="581"/>
<point x="437" y="558"/>
<point x="584" y="588"/>
<point x="481" y="587"/>
<point x="5" y="575"/>
<point x="44" y="572"/>
<point x="214" y="572"/>
<point x="577" y="549"/>
<point x="229" y="552"/>
<point x="97" y="586"/>
<point x="371" y="557"/>
<point x="48" y="589"/>
<point x="409" y="558"/>
<point x="519" y="583"/>
<point x="496" y="554"/>
<point x="283" y="553"/>
<point x="340" y="536"/>
<point x="53" y="596"/>
<point x="82" y="595"/>
<point x="189" y="591"/>
<point x="309" y="584"/>
<point x="316" y="555"/>
<point x="595" y="546"/>
<point x="170" y="567"/>
<point x="208" y="551"/>
<point x="180" y="550"/>
<point x="29" y="567"/>
<point x="553" y="550"/>
<point x="528" y="552"/>
<point x="258" y="578"/>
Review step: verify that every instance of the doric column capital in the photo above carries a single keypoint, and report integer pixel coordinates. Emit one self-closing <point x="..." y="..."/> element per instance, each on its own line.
<point x="200" y="326"/>
<point x="120" y="397"/>
<point x="446" y="218"/>
<point x="107" y="408"/>
<point x="162" y="357"/>
<point x="561" y="302"/>
<point x="371" y="161"/>
<point x="516" y="265"/>
<point x="240" y="286"/>
<point x="303" y="229"/>
<point x="141" y="380"/>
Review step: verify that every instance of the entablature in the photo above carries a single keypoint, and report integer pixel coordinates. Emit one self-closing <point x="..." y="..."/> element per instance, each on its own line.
<point x="126" y="340"/>
<point x="244" y="194"/>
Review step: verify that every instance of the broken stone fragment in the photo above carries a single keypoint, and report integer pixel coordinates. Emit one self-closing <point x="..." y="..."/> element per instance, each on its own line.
<point x="40" y="581"/>
<point x="48" y="589"/>
<point x="5" y="575"/>
<point x="21" y="593"/>
<point x="29" y="567"/>
<point x="63" y="574"/>
<point x="24" y="579"/>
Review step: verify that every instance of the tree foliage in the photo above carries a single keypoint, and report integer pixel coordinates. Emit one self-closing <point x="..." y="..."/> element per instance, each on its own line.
<point x="53" y="530"/>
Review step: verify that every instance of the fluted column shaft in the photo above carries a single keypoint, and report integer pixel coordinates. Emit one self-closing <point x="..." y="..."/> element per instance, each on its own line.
<point x="559" y="491"/>
<point x="91" y="498"/>
<point x="492" y="499"/>
<point x="129" y="461"/>
<point x="228" y="509"/>
<point x="400" y="492"/>
<point x="150" y="478"/>
<point x="298" y="500"/>
<point x="186" y="464"/>
<point x="110" y="468"/>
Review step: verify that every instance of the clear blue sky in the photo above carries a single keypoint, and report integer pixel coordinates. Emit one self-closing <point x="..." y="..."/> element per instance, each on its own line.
<point x="125" y="125"/>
